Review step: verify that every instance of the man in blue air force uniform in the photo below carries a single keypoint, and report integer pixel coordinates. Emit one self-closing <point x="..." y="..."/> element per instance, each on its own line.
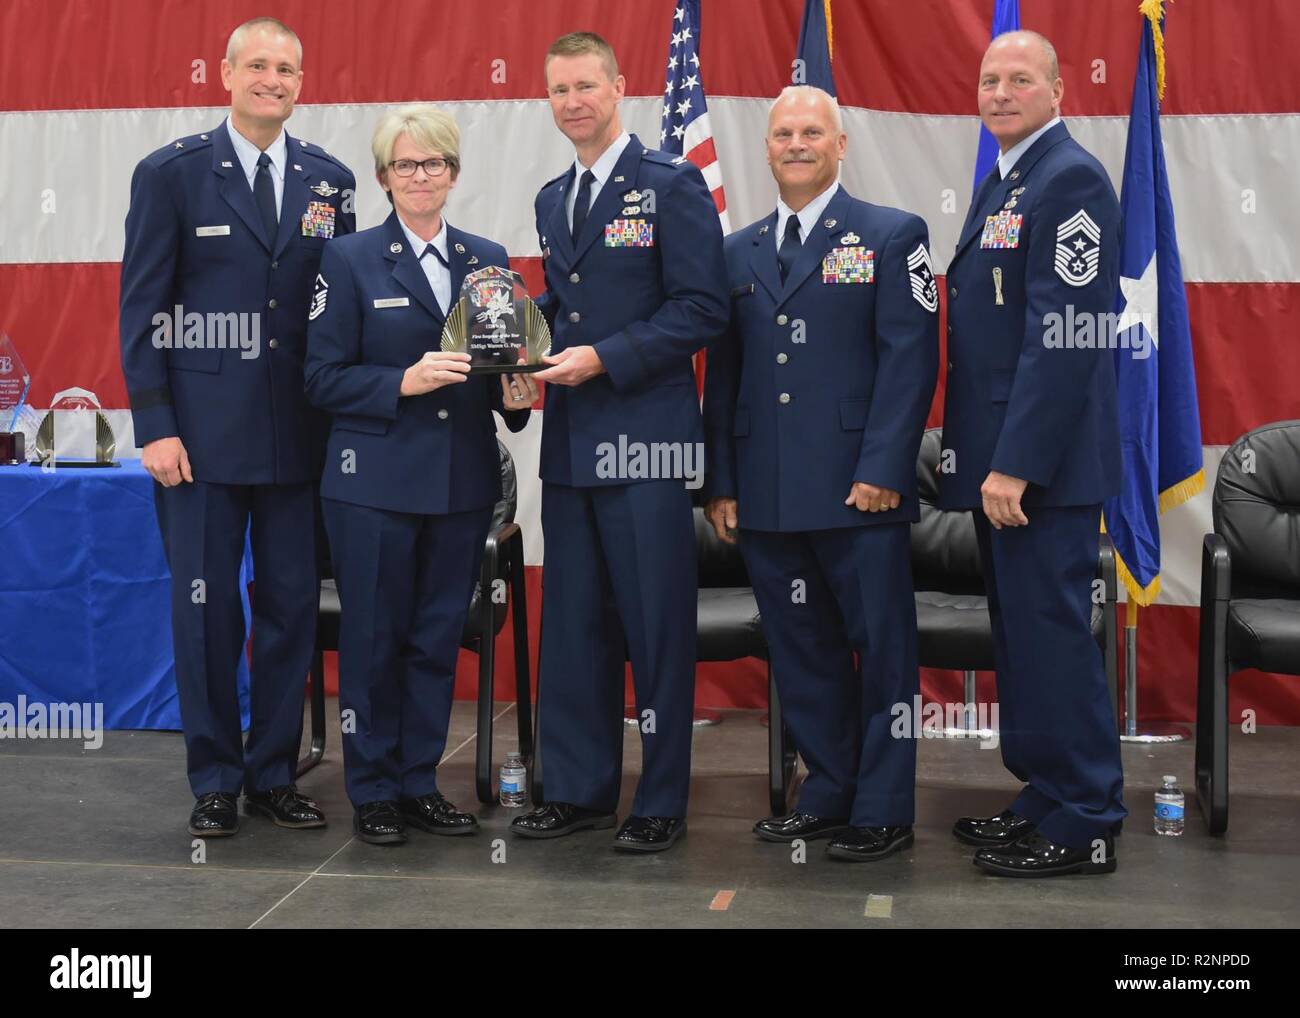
<point x="1031" y="445"/>
<point x="635" y="284"/>
<point x="815" y="400"/>
<point x="227" y="228"/>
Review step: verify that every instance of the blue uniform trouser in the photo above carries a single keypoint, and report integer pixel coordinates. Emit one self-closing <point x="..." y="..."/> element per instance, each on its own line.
<point x="824" y="595"/>
<point x="1057" y="727"/>
<point x="203" y="527"/>
<point x="620" y="583"/>
<point x="405" y="583"/>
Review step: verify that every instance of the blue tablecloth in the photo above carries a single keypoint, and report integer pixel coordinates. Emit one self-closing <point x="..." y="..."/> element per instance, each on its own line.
<point x="85" y="612"/>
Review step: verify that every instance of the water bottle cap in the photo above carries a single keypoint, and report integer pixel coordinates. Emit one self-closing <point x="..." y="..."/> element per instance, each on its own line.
<point x="1171" y="779"/>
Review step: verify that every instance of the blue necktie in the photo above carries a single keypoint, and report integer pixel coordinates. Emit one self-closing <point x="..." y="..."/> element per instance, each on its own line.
<point x="582" y="204"/>
<point x="790" y="247"/>
<point x="430" y="249"/>
<point x="264" y="195"/>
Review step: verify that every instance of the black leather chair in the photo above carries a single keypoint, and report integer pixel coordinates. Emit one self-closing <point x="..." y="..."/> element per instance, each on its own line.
<point x="503" y="573"/>
<point x="1250" y="591"/>
<point x="952" y="617"/>
<point x="729" y="628"/>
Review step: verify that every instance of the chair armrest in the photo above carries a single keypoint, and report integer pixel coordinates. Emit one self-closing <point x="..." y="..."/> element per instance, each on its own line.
<point x="1216" y="571"/>
<point x="1106" y="568"/>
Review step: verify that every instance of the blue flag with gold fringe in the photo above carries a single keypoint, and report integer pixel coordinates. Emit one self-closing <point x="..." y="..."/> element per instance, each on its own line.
<point x="815" y="46"/>
<point x="1160" y="423"/>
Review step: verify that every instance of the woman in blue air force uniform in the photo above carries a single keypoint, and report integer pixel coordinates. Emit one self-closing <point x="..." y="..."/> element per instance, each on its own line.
<point x="411" y="474"/>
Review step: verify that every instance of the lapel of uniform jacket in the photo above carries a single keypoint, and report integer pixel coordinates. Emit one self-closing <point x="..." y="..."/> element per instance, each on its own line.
<point x="997" y="195"/>
<point x="610" y="199"/>
<point x="763" y="258"/>
<point x="293" y="203"/>
<point x="462" y="260"/>
<point x="820" y="239"/>
<point x="234" y="188"/>
<point x="558" y="237"/>
<point x="406" y="266"/>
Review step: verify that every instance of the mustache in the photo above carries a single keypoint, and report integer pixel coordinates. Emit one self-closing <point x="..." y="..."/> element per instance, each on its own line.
<point x="802" y="157"/>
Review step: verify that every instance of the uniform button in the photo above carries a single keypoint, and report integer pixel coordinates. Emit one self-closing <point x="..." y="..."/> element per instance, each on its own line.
<point x="275" y="265"/>
<point x="950" y="365"/>
<point x="574" y="316"/>
<point x="575" y="278"/>
<point x="443" y="415"/>
<point x="784" y="397"/>
<point x="781" y="358"/>
<point x="952" y="292"/>
<point x="273" y="303"/>
<point x="781" y="319"/>
<point x="274" y="344"/>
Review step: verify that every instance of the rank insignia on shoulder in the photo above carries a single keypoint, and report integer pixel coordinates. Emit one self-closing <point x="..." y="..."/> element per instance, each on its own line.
<point x="678" y="160"/>
<point x="1078" y="249"/>
<point x="323" y="189"/>
<point x="920" y="273"/>
<point x="849" y="265"/>
<point x="298" y="168"/>
<point x="1002" y="230"/>
<point x="179" y="144"/>
<point x="630" y="233"/>
<point x="633" y="195"/>
<point x="850" y="238"/>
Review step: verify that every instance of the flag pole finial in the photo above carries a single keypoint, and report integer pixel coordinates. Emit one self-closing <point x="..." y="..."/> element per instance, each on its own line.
<point x="1154" y="12"/>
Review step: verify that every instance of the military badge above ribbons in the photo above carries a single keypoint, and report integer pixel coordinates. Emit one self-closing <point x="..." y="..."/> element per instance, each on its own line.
<point x="1078" y="249"/>
<point x="494" y="322"/>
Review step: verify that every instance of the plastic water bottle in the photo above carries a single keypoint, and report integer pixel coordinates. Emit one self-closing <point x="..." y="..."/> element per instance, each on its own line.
<point x="1169" y="808"/>
<point x="514" y="781"/>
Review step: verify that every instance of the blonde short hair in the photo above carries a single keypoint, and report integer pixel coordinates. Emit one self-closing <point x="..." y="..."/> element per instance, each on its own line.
<point x="272" y="26"/>
<point x="577" y="44"/>
<point x="426" y="125"/>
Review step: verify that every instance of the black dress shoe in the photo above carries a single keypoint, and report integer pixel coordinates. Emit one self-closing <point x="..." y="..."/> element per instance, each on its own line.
<point x="867" y="844"/>
<point x="557" y="819"/>
<point x="1035" y="856"/>
<point x="436" y="815"/>
<point x="215" y="815"/>
<point x="379" y="823"/>
<point x="286" y="806"/>
<point x="1003" y="829"/>
<point x="798" y="825"/>
<point x="649" y="834"/>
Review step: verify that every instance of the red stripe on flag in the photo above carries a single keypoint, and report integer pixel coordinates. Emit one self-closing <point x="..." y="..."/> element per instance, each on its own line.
<point x="703" y="153"/>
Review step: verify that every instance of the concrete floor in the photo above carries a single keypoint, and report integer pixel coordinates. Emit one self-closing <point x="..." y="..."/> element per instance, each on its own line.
<point x="98" y="839"/>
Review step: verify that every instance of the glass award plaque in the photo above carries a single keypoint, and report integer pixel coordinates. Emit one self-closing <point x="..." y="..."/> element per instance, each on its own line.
<point x="496" y="322"/>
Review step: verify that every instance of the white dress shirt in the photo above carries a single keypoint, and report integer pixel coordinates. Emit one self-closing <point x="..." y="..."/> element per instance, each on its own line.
<point x="601" y="170"/>
<point x="246" y="152"/>
<point x="808" y="215"/>
<point x="1008" y="158"/>
<point x="438" y="275"/>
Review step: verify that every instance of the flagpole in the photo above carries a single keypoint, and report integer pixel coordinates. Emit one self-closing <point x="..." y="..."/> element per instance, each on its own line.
<point x="1154" y="731"/>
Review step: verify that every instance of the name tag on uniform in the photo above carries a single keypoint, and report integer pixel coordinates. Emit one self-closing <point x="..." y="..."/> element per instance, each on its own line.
<point x="212" y="231"/>
<point x="630" y="233"/>
<point x="318" y="220"/>
<point x="1002" y="230"/>
<point x="849" y="265"/>
<point x="392" y="302"/>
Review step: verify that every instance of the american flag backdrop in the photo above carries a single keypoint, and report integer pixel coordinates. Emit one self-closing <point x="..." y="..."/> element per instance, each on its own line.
<point x="686" y="129"/>
<point x="89" y="87"/>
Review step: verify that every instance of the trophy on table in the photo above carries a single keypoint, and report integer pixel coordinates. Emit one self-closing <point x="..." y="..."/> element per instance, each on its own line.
<point x="14" y="385"/>
<point x="72" y="409"/>
<point x="495" y="321"/>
